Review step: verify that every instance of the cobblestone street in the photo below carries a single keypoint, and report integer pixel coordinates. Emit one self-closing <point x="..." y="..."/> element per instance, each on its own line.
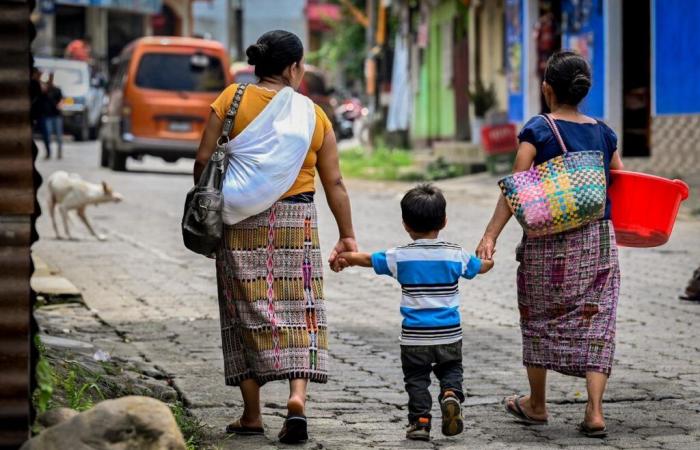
<point x="157" y="301"/>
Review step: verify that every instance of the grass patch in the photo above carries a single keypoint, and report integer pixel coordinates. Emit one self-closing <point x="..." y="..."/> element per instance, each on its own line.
<point x="393" y="165"/>
<point x="380" y="164"/>
<point x="79" y="384"/>
<point x="192" y="429"/>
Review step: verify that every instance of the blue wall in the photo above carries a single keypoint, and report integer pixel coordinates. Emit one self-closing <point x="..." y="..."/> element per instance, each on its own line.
<point x="591" y="30"/>
<point x="515" y="45"/>
<point x="676" y="36"/>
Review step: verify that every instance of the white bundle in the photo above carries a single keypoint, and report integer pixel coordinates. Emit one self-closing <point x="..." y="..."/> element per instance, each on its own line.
<point x="264" y="159"/>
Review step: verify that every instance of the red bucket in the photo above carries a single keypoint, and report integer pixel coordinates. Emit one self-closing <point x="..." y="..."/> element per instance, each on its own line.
<point x="644" y="207"/>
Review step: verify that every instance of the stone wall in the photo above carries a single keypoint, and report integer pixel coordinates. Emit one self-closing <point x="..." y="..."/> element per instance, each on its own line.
<point x="675" y="147"/>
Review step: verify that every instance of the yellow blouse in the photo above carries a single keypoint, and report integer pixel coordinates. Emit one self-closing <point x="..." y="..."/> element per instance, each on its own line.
<point x="254" y="101"/>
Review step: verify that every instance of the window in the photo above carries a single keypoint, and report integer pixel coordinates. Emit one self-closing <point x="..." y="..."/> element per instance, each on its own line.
<point x="180" y="72"/>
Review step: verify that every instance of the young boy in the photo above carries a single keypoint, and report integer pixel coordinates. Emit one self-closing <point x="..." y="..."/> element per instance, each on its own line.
<point x="431" y="335"/>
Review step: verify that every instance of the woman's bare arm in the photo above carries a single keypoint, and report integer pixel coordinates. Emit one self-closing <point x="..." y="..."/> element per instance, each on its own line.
<point x="328" y="166"/>
<point x="502" y="213"/>
<point x="616" y="161"/>
<point x="207" y="145"/>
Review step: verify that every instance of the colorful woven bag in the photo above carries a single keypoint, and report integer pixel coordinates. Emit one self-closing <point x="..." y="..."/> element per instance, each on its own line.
<point x="561" y="194"/>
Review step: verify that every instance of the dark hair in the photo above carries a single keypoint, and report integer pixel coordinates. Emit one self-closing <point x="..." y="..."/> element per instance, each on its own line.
<point x="423" y="208"/>
<point x="569" y="75"/>
<point x="274" y="52"/>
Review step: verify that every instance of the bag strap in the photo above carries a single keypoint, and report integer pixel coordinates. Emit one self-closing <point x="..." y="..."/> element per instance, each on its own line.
<point x="231" y="113"/>
<point x="555" y="131"/>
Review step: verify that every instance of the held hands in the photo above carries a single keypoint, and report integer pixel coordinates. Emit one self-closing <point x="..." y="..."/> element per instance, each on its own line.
<point x="344" y="245"/>
<point x="486" y="248"/>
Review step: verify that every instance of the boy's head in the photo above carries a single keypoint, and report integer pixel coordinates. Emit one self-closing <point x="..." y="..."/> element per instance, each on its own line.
<point x="423" y="209"/>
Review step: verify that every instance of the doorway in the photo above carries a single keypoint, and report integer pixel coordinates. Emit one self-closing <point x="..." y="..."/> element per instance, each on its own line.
<point x="636" y="78"/>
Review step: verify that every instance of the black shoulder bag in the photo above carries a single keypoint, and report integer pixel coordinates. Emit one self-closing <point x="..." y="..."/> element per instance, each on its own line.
<point x="202" y="224"/>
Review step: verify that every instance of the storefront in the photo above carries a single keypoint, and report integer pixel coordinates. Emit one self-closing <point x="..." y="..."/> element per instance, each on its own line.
<point x="644" y="56"/>
<point x="110" y="24"/>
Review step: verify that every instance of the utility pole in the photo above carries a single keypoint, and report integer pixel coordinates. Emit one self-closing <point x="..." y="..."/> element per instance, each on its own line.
<point x="371" y="65"/>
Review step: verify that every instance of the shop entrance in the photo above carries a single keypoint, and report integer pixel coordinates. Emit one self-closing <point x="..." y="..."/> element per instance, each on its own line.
<point x="636" y="77"/>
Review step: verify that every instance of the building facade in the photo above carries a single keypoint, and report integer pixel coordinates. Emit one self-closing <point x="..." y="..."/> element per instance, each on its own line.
<point x="110" y="24"/>
<point x="644" y="55"/>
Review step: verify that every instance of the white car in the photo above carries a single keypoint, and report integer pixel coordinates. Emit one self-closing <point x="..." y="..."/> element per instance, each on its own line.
<point x="82" y="95"/>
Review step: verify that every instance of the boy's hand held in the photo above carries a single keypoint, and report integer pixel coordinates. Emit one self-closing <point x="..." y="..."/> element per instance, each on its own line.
<point x="486" y="265"/>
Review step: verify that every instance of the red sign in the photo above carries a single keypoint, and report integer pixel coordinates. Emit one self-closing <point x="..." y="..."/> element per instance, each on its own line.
<point x="499" y="139"/>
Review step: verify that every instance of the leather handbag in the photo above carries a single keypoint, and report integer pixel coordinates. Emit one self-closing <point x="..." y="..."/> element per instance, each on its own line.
<point x="202" y="224"/>
<point x="561" y="194"/>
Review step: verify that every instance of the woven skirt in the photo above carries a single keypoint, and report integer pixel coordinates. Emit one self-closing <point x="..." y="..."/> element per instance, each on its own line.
<point x="568" y="287"/>
<point x="270" y="282"/>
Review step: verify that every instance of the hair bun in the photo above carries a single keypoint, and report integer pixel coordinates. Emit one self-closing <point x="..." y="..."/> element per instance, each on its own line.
<point x="579" y="86"/>
<point x="256" y="53"/>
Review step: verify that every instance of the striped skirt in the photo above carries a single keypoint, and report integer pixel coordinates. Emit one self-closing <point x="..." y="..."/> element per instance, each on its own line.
<point x="568" y="287"/>
<point x="270" y="282"/>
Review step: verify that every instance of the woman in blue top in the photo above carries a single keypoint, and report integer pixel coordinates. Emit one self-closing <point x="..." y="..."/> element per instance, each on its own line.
<point x="568" y="283"/>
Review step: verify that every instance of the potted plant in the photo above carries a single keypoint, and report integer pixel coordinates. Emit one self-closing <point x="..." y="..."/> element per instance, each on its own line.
<point x="483" y="99"/>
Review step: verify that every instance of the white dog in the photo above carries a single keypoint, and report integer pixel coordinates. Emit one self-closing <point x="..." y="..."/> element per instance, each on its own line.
<point x="70" y="192"/>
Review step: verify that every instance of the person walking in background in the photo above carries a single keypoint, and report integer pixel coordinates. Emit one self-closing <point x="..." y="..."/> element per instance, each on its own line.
<point x="35" y="94"/>
<point x="50" y="118"/>
<point x="568" y="283"/>
<point x="269" y="267"/>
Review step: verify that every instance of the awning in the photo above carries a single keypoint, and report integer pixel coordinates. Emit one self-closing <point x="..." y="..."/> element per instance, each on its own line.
<point x="321" y="15"/>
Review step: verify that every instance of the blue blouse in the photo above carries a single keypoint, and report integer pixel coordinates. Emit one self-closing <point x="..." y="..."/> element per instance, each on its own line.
<point x="577" y="137"/>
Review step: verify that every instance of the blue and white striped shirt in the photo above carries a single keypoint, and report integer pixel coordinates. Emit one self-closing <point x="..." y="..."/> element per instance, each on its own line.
<point x="429" y="272"/>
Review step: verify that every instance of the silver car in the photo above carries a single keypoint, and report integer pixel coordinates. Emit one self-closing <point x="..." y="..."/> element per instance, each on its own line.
<point x="82" y="95"/>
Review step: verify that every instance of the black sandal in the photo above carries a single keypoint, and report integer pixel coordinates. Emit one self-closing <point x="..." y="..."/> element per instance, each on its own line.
<point x="598" y="432"/>
<point x="518" y="412"/>
<point x="294" y="430"/>
<point x="237" y="428"/>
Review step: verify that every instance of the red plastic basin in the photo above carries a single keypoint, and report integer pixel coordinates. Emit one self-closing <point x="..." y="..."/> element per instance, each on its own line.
<point x="644" y="207"/>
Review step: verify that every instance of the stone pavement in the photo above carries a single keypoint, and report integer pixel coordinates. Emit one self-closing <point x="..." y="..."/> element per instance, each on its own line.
<point x="161" y="301"/>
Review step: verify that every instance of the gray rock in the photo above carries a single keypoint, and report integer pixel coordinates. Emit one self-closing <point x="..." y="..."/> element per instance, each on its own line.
<point x="56" y="416"/>
<point x="120" y="424"/>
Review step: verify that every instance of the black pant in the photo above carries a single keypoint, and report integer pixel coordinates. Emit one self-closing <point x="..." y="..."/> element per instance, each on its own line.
<point x="417" y="361"/>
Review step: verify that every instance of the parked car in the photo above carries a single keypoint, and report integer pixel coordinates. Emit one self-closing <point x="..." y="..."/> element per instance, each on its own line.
<point x="159" y="98"/>
<point x="313" y="85"/>
<point x="82" y="95"/>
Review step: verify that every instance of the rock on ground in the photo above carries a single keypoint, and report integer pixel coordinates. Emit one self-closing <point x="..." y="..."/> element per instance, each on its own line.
<point x="127" y="423"/>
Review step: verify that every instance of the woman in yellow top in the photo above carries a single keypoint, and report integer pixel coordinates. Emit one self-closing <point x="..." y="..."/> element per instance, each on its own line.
<point x="269" y="267"/>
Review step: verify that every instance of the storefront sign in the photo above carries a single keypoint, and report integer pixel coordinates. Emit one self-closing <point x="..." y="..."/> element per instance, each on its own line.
<point x="497" y="139"/>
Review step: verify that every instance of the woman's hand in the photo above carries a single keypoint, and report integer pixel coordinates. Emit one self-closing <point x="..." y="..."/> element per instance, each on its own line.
<point x="486" y="247"/>
<point x="344" y="245"/>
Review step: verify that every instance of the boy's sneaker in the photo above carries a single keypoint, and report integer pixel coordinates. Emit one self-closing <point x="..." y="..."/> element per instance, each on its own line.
<point x="452" y="422"/>
<point x="419" y="430"/>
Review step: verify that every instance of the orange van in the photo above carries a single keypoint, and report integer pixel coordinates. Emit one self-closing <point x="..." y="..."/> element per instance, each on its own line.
<point x="159" y="98"/>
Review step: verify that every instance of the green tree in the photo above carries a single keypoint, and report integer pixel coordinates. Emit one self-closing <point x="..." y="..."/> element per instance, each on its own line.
<point x="344" y="45"/>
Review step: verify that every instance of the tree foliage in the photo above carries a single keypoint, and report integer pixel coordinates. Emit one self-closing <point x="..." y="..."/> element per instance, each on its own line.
<point x="344" y="45"/>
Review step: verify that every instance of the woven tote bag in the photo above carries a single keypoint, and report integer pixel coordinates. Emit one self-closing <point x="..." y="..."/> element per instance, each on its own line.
<point x="561" y="194"/>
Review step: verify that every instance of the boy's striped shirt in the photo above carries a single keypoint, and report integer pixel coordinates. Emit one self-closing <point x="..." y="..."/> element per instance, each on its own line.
<point x="429" y="272"/>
